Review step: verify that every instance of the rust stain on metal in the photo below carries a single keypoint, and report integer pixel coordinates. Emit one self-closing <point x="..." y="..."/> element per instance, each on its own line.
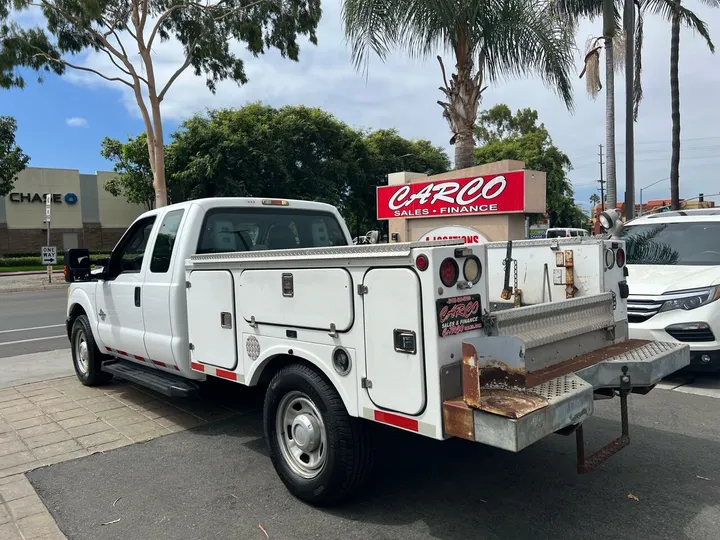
<point x="511" y="404"/>
<point x="568" y="258"/>
<point x="458" y="419"/>
<point x="559" y="258"/>
<point x="470" y="375"/>
<point x="579" y="362"/>
<point x="499" y="373"/>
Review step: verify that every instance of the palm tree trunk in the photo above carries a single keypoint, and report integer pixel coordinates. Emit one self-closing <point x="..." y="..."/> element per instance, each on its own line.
<point x="610" y="124"/>
<point x="461" y="108"/>
<point x="675" y="107"/>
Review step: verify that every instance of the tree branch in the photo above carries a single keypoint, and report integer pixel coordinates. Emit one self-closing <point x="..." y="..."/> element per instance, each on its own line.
<point x="83" y="68"/>
<point x="205" y="8"/>
<point x="177" y="73"/>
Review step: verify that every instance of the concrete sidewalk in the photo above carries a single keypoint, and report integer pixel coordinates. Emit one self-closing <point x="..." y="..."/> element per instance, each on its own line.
<point x="30" y="282"/>
<point x="57" y="420"/>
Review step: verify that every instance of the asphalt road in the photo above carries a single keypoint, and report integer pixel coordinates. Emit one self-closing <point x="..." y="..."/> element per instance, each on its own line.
<point x="217" y="482"/>
<point x="32" y="322"/>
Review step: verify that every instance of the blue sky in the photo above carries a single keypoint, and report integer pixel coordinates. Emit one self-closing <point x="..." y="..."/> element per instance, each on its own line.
<point x="401" y="93"/>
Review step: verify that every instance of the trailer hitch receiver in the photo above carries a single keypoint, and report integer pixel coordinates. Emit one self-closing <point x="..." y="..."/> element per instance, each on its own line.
<point x="592" y="462"/>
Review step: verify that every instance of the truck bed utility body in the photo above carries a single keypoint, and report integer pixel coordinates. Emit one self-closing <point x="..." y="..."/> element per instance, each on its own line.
<point x="403" y="334"/>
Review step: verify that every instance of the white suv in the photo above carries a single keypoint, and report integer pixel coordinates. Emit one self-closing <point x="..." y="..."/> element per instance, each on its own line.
<point x="674" y="279"/>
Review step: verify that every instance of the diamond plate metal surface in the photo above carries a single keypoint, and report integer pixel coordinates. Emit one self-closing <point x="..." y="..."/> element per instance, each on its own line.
<point x="337" y="252"/>
<point x="252" y="346"/>
<point x="547" y="323"/>
<point x="557" y="388"/>
<point x="647" y="352"/>
<point x="570" y="401"/>
<point x="647" y="365"/>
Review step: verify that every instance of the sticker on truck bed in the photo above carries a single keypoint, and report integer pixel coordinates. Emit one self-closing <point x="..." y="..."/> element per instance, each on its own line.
<point x="458" y="314"/>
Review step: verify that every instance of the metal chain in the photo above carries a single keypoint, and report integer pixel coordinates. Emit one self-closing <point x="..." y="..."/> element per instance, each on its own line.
<point x="515" y="275"/>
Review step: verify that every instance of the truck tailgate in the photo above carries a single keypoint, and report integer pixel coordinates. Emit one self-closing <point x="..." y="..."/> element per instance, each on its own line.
<point x="535" y="375"/>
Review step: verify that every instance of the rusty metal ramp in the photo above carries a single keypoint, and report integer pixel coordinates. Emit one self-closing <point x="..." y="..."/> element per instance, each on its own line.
<point x="508" y="395"/>
<point x="514" y="419"/>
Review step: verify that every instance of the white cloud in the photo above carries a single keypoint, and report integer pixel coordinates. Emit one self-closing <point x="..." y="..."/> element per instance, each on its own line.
<point x="76" y="121"/>
<point x="402" y="93"/>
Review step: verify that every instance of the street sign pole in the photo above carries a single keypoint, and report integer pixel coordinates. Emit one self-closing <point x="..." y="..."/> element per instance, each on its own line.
<point x="48" y="202"/>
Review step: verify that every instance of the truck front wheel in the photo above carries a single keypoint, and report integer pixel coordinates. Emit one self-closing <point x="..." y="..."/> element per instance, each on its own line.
<point x="86" y="356"/>
<point x="321" y="454"/>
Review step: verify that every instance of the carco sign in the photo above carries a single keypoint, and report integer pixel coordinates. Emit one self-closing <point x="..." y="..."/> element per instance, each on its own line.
<point x="492" y="194"/>
<point x="471" y="236"/>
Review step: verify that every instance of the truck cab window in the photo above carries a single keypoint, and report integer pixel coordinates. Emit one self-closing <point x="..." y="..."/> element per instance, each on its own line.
<point x="165" y="241"/>
<point x="258" y="229"/>
<point x="128" y="257"/>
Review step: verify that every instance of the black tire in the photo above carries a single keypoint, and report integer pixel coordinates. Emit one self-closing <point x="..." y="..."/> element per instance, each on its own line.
<point x="88" y="372"/>
<point x="348" y="451"/>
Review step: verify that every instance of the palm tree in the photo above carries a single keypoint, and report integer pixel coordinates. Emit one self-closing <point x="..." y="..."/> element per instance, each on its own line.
<point x="594" y="199"/>
<point x="489" y="40"/>
<point x="612" y="41"/>
<point x="678" y="16"/>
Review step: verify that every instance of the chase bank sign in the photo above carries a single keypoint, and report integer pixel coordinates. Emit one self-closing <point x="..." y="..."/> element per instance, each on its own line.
<point x="57" y="198"/>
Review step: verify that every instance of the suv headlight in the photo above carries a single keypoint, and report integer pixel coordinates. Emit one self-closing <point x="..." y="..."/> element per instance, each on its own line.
<point x="691" y="299"/>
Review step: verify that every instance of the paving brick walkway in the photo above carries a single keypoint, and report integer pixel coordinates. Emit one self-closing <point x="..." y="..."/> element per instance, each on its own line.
<point x="58" y="420"/>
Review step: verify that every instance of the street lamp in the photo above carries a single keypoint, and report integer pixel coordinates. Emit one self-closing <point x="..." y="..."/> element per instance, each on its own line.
<point x="645" y="187"/>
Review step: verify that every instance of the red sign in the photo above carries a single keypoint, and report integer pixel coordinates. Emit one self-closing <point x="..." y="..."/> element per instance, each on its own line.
<point x="492" y="194"/>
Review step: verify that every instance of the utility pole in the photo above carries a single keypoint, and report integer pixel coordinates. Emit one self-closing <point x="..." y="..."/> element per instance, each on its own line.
<point x="602" y="182"/>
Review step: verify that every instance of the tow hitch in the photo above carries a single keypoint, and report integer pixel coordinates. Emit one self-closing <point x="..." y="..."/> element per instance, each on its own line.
<point x="592" y="462"/>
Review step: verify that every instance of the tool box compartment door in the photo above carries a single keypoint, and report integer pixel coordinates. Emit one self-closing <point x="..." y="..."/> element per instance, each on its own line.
<point x="211" y="318"/>
<point x="395" y="356"/>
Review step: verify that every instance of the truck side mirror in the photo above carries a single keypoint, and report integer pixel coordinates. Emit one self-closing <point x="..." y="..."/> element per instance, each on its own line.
<point x="76" y="264"/>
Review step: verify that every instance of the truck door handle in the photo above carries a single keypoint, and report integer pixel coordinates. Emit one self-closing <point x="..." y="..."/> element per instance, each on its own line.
<point x="137" y="296"/>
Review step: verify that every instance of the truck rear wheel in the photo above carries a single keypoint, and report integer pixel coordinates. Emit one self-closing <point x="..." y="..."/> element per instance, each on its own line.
<point x="86" y="355"/>
<point x="320" y="452"/>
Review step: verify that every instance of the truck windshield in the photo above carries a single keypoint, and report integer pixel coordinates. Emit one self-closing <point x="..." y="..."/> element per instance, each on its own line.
<point x="692" y="243"/>
<point x="256" y="229"/>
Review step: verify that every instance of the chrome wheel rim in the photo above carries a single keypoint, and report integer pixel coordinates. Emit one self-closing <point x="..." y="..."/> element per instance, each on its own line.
<point x="81" y="352"/>
<point x="301" y="434"/>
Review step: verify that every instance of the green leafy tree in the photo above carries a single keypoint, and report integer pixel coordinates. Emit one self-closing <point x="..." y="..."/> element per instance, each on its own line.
<point x="488" y="41"/>
<point x="388" y="152"/>
<point x="294" y="152"/>
<point x="132" y="164"/>
<point x="12" y="158"/>
<point x="127" y="31"/>
<point x="507" y="136"/>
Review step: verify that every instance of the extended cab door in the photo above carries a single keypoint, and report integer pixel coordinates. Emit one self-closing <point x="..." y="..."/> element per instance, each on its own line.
<point x="119" y="297"/>
<point x="163" y="288"/>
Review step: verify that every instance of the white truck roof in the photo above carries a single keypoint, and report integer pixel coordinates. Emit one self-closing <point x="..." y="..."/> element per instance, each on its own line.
<point x="215" y="202"/>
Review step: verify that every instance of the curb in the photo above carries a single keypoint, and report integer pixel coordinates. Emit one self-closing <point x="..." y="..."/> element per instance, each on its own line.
<point x="33" y="273"/>
<point x="34" y="288"/>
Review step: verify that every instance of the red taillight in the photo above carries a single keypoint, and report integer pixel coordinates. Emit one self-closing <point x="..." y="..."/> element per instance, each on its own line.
<point x="449" y="272"/>
<point x="620" y="257"/>
<point x="422" y="263"/>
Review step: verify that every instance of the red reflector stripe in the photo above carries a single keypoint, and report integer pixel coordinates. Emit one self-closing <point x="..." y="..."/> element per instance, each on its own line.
<point x="229" y="375"/>
<point x="161" y="364"/>
<point x="108" y="349"/>
<point x="139" y="358"/>
<point x="197" y="367"/>
<point x="122" y="353"/>
<point x="396" y="420"/>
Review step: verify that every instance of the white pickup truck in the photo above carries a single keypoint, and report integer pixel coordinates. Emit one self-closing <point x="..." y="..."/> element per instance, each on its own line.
<point x="272" y="292"/>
